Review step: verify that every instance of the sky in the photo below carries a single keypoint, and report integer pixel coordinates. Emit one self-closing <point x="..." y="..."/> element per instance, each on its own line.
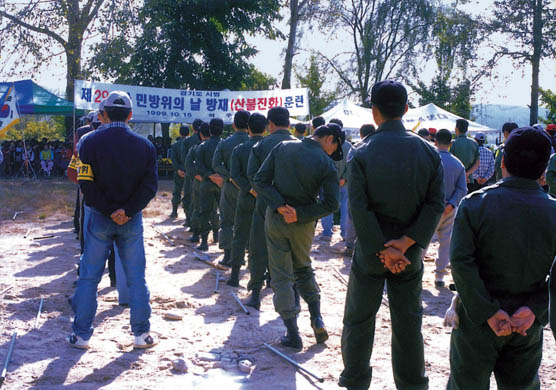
<point x="513" y="88"/>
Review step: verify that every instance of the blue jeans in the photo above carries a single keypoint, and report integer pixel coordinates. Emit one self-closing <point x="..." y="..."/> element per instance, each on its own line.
<point x="328" y="221"/>
<point x="100" y="231"/>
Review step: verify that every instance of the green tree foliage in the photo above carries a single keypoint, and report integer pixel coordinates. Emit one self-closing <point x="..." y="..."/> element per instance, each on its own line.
<point x="255" y="80"/>
<point x="387" y="36"/>
<point x="530" y="30"/>
<point x="38" y="127"/>
<point x="548" y="99"/>
<point x="313" y="79"/>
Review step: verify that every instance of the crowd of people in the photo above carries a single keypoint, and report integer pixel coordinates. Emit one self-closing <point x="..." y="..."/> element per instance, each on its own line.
<point x="262" y="191"/>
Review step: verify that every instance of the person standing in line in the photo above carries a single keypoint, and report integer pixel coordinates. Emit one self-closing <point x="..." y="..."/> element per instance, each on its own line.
<point x="503" y="248"/>
<point x="289" y="181"/>
<point x="211" y="184"/>
<point x="455" y="188"/>
<point x="507" y="129"/>
<point x="394" y="221"/>
<point x="178" y="163"/>
<point x="221" y="163"/>
<point x="278" y="122"/>
<point x="485" y="171"/>
<point x="247" y="195"/>
<point x="193" y="140"/>
<point x="300" y="130"/>
<point x="118" y="177"/>
<point x="466" y="150"/>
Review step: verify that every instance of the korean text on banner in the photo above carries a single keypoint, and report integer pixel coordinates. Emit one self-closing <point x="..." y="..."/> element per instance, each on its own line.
<point x="177" y="106"/>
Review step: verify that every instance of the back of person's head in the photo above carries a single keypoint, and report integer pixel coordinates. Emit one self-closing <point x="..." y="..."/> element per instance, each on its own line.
<point x="508" y="127"/>
<point x="338" y="122"/>
<point x="332" y="129"/>
<point x="366" y="130"/>
<point x="480" y="138"/>
<point x="241" y="119"/>
<point x="526" y="152"/>
<point x="257" y="123"/>
<point x="184" y="130"/>
<point x="197" y="124"/>
<point x="280" y="116"/>
<point x="551" y="129"/>
<point x="462" y="125"/>
<point x="204" y="129"/>
<point x="443" y="137"/>
<point x="423" y="133"/>
<point x="216" y="126"/>
<point x="318" y="121"/>
<point x="300" y="128"/>
<point x="390" y="98"/>
<point x="118" y="106"/>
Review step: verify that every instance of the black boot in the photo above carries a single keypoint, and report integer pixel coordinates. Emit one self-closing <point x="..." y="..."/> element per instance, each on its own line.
<point x="255" y="299"/>
<point x="292" y="338"/>
<point x="215" y="236"/>
<point x="317" y="323"/>
<point x="204" y="242"/>
<point x="174" y="212"/>
<point x="234" y="277"/>
<point x="226" y="261"/>
<point x="195" y="237"/>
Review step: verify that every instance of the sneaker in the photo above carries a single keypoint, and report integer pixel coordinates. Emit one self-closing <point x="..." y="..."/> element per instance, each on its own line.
<point x="144" y="341"/>
<point x="77" y="342"/>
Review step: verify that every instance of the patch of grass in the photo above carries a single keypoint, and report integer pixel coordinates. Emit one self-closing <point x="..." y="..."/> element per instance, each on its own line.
<point x="42" y="216"/>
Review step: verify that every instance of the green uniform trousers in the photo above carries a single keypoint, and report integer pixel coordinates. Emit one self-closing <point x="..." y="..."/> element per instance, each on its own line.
<point x="176" y="195"/>
<point x="258" y="254"/>
<point x="228" y="203"/>
<point x="476" y="352"/>
<point x="209" y="197"/>
<point x="242" y="227"/>
<point x="187" y="197"/>
<point x="363" y="300"/>
<point x="195" y="206"/>
<point x="289" y="262"/>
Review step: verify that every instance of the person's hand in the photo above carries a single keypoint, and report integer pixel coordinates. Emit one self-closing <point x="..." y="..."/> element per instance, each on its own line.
<point x="253" y="192"/>
<point x="119" y="217"/>
<point x="181" y="173"/>
<point x="448" y="209"/>
<point x="394" y="260"/>
<point x="500" y="323"/>
<point x="217" y="179"/>
<point x="542" y="180"/>
<point x="401" y="244"/>
<point x="342" y="182"/>
<point x="198" y="178"/>
<point x="288" y="212"/>
<point x="522" y="320"/>
<point x="481" y="180"/>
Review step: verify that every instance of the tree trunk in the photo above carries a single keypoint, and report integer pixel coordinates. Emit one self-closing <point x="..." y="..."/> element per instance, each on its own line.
<point x="536" y="61"/>
<point x="290" y="51"/>
<point x="73" y="60"/>
<point x="165" y="132"/>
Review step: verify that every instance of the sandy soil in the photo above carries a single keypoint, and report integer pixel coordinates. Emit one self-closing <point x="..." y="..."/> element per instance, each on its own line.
<point x="212" y="322"/>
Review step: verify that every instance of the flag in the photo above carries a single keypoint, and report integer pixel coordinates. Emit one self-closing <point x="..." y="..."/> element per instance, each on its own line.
<point x="9" y="116"/>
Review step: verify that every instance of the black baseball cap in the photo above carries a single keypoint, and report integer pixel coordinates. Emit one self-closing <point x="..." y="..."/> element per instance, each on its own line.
<point x="280" y="116"/>
<point x="334" y="130"/>
<point x="526" y="152"/>
<point x="389" y="93"/>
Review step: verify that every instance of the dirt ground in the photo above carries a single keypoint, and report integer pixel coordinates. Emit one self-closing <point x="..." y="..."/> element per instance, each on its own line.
<point x="212" y="322"/>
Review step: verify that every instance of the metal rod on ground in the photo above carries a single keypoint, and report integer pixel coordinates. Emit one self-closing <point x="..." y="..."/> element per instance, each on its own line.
<point x="240" y="303"/>
<point x="16" y="214"/>
<point x="39" y="313"/>
<point x="293" y="362"/>
<point x="217" y="281"/>
<point x="340" y="275"/>
<point x="43" y="237"/>
<point x="5" y="290"/>
<point x="165" y="236"/>
<point x="27" y="234"/>
<point x="8" y="358"/>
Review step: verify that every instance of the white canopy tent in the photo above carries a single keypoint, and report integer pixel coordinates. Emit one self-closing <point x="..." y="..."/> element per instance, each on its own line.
<point x="351" y="115"/>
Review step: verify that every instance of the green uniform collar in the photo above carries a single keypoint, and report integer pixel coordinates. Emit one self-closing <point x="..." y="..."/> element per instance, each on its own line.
<point x="392" y="125"/>
<point x="281" y="131"/>
<point x="256" y="137"/>
<point x="311" y="142"/>
<point x="462" y="135"/>
<point x="520" y="182"/>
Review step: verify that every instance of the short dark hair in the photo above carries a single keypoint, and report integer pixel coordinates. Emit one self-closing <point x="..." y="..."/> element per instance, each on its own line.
<point x="301" y="128"/>
<point x="508" y="127"/>
<point x="390" y="111"/>
<point x="366" y="130"/>
<point x="318" y="121"/>
<point x="257" y="123"/>
<point x="337" y="121"/>
<point x="204" y="129"/>
<point x="184" y="130"/>
<point x="280" y="116"/>
<point x="443" y="137"/>
<point x="241" y="119"/>
<point x="117" y="114"/>
<point x="526" y="153"/>
<point x="423" y="133"/>
<point x="462" y="125"/>
<point x="216" y="126"/>
<point x="197" y="124"/>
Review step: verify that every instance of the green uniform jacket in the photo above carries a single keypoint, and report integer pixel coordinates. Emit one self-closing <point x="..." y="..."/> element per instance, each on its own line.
<point x="551" y="175"/>
<point x="466" y="150"/>
<point x="240" y="160"/>
<point x="293" y="173"/>
<point x="263" y="148"/>
<point x="221" y="162"/>
<point x="205" y="152"/>
<point x="178" y="160"/>
<point x="188" y="143"/>
<point x="396" y="187"/>
<point x="503" y="246"/>
<point x="498" y="162"/>
<point x="190" y="166"/>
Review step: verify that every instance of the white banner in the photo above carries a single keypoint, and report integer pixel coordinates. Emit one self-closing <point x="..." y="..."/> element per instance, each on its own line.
<point x="179" y="106"/>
